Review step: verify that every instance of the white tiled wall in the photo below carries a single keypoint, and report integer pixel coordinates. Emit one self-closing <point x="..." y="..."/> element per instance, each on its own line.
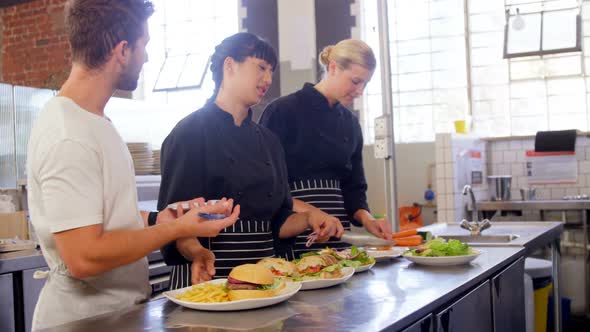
<point x="450" y="201"/>
<point x="508" y="158"/>
<point x="505" y="157"/>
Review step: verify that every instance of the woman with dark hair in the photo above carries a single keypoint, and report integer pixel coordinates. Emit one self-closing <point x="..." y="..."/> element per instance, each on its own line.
<point x="323" y="142"/>
<point x="218" y="151"/>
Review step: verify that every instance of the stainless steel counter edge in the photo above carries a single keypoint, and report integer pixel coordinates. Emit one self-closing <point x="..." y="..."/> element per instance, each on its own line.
<point x="393" y="295"/>
<point x="534" y="205"/>
<point x="21" y="260"/>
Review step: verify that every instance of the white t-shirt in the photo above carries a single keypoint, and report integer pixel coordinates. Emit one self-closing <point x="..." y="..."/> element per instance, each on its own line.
<point x="80" y="173"/>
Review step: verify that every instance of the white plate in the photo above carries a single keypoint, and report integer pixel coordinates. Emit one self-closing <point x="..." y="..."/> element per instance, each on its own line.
<point x="445" y="260"/>
<point x="364" y="268"/>
<point x="381" y="255"/>
<point x="290" y="289"/>
<point x="347" y="272"/>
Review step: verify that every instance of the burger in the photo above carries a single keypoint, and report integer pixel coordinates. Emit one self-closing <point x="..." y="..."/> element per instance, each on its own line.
<point x="322" y="266"/>
<point x="279" y="267"/>
<point x="252" y="281"/>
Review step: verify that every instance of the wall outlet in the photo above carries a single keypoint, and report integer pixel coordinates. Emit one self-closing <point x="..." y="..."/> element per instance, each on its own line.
<point x="382" y="126"/>
<point x="382" y="148"/>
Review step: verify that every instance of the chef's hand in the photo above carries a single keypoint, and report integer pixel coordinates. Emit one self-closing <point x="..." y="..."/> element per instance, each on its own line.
<point x="202" y="267"/>
<point x="379" y="227"/>
<point x="324" y="225"/>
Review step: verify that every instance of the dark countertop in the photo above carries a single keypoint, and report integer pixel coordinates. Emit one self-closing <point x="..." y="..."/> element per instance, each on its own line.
<point x="392" y="295"/>
<point x="21" y="260"/>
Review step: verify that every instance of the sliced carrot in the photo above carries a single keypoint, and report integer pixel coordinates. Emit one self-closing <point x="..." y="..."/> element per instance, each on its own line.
<point x="408" y="241"/>
<point x="405" y="233"/>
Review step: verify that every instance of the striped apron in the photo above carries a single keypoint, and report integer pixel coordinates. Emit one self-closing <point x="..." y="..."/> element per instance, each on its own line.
<point x="247" y="241"/>
<point x="327" y="196"/>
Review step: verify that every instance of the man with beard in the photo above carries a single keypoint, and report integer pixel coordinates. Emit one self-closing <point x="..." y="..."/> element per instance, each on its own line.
<point x="82" y="192"/>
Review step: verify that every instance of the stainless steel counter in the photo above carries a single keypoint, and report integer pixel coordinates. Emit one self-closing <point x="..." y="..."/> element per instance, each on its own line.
<point x="393" y="295"/>
<point x="21" y="260"/>
<point x="558" y="205"/>
<point x="532" y="235"/>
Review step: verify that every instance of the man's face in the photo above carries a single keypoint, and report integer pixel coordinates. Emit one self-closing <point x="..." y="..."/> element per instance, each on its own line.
<point x="130" y="74"/>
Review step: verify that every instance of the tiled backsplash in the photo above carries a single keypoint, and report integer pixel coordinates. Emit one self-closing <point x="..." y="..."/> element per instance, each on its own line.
<point x="499" y="157"/>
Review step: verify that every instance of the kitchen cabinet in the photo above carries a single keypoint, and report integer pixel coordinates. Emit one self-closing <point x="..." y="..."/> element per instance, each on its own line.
<point x="472" y="312"/>
<point x="423" y="325"/>
<point x="508" y="298"/>
<point x="31" y="290"/>
<point x="6" y="303"/>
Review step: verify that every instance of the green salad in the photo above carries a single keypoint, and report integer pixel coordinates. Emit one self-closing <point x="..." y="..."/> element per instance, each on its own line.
<point x="353" y="257"/>
<point x="439" y="248"/>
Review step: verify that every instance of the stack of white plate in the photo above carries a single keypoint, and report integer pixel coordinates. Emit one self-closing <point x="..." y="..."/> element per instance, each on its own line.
<point x="143" y="159"/>
<point x="156" y="162"/>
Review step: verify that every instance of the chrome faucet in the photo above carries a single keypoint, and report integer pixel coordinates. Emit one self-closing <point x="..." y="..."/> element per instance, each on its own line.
<point x="475" y="226"/>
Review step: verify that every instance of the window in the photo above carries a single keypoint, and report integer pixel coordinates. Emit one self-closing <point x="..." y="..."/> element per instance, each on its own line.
<point x="441" y="74"/>
<point x="541" y="31"/>
<point x="183" y="37"/>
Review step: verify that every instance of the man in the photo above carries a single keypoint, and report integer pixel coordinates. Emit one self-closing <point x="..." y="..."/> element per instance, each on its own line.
<point x="82" y="193"/>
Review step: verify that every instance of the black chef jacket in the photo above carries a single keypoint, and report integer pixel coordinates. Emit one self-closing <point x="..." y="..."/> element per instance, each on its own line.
<point x="207" y="155"/>
<point x="320" y="142"/>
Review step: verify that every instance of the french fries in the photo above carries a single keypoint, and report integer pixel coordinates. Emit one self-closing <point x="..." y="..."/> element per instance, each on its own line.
<point x="205" y="293"/>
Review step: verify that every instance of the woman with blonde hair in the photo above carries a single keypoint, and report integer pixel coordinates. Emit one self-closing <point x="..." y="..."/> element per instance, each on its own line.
<point x="323" y="142"/>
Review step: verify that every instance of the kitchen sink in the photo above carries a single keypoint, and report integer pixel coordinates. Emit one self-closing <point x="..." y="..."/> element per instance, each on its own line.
<point x="482" y="239"/>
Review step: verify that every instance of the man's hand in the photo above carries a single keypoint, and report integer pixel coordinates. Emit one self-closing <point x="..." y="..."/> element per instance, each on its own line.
<point x="168" y="215"/>
<point x="324" y="225"/>
<point x="196" y="226"/>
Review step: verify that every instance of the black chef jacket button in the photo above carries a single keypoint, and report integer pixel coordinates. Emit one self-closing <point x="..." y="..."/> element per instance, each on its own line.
<point x="240" y="193"/>
<point x="270" y="194"/>
<point x="346" y="139"/>
<point x="267" y="163"/>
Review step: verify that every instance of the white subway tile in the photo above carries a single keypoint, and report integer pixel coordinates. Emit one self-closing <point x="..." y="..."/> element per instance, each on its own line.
<point x="448" y="155"/>
<point x="521" y="156"/>
<point x="509" y="156"/>
<point x="440" y="170"/>
<point x="587" y="154"/>
<point x="451" y="216"/>
<point x="502" y="145"/>
<point x="557" y="193"/>
<point x="447" y="140"/>
<point x="528" y="144"/>
<point x="497" y="157"/>
<point x="440" y="155"/>
<point x="542" y="193"/>
<point x="448" y="171"/>
<point x="580" y="153"/>
<point x="517" y="169"/>
<point x="450" y="186"/>
<point x="441" y="202"/>
<point x="584" y="167"/>
<point x="440" y="186"/>
<point x="572" y="191"/>
<point x="450" y="201"/>
<point x="515" y="145"/>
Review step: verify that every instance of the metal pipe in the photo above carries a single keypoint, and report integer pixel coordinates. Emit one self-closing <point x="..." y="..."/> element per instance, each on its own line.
<point x="555" y="258"/>
<point x="386" y="93"/>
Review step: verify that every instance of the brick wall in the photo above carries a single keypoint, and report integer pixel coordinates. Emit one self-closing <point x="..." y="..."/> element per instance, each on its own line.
<point x="34" y="47"/>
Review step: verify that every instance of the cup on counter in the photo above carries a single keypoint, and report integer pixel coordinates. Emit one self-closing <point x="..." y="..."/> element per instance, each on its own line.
<point x="528" y="193"/>
<point x="499" y="187"/>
